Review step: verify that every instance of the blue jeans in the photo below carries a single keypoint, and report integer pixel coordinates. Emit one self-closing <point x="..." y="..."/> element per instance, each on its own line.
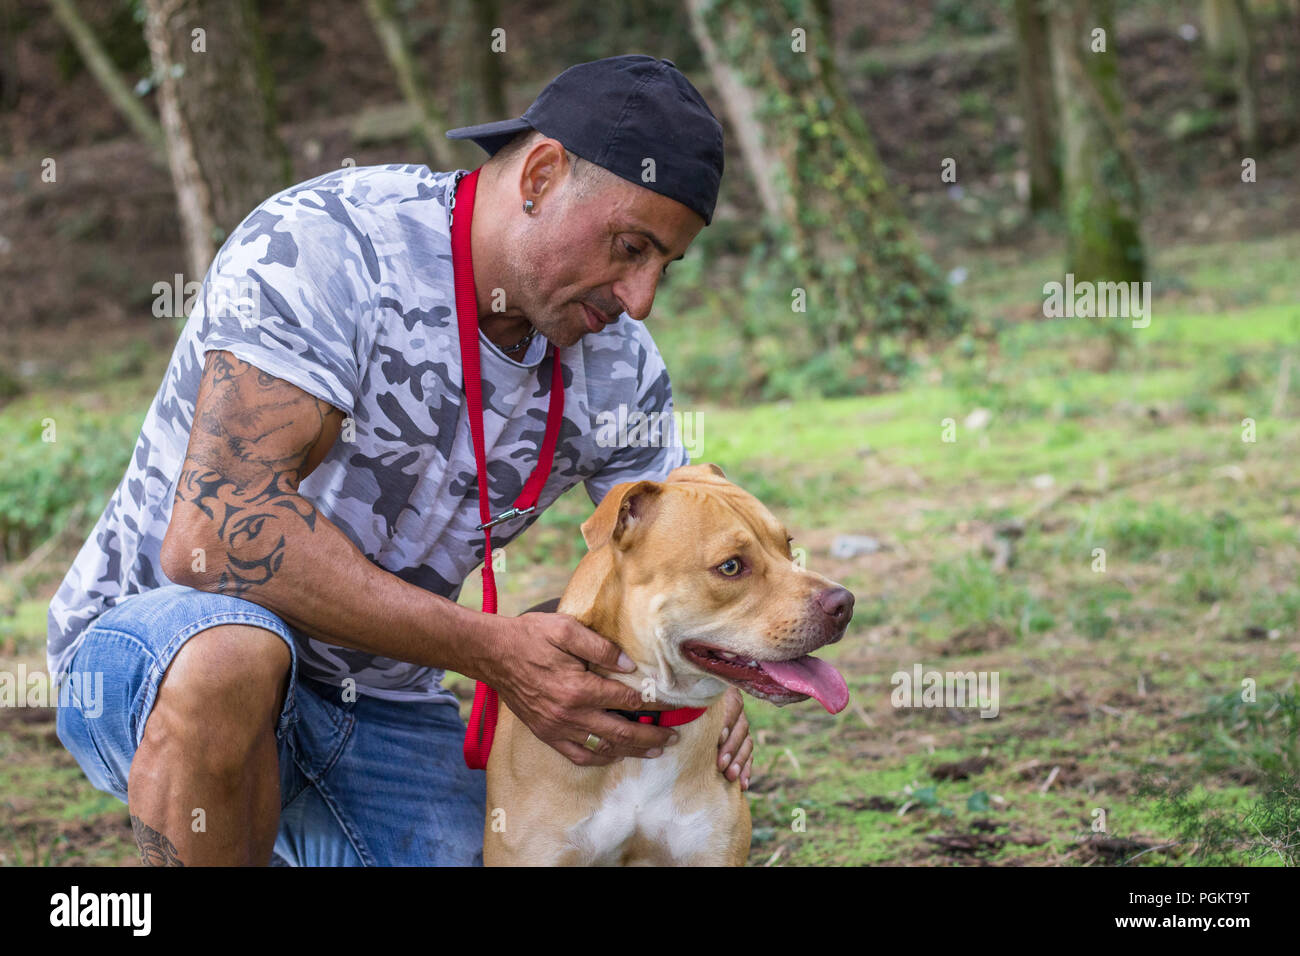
<point x="368" y="782"/>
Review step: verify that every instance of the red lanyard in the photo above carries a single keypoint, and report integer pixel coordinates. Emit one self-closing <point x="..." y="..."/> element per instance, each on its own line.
<point x="483" y="718"/>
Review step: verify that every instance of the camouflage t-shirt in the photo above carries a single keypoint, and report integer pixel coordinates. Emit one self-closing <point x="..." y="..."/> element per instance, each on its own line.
<point x="342" y="285"/>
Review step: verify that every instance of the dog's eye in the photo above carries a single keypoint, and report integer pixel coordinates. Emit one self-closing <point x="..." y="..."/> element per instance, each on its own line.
<point x="730" y="567"/>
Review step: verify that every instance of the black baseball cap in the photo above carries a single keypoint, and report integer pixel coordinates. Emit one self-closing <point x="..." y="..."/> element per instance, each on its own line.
<point x="619" y="112"/>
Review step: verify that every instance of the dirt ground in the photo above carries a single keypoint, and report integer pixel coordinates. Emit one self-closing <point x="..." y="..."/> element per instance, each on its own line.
<point x="79" y="259"/>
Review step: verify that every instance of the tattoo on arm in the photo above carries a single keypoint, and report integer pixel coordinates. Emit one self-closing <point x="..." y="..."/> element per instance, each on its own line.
<point x="155" y="849"/>
<point x="254" y="439"/>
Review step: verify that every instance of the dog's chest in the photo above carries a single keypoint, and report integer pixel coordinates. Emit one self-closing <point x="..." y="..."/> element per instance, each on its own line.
<point x="640" y="817"/>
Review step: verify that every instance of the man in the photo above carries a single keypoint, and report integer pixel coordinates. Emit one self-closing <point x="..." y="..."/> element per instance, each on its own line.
<point x="270" y="593"/>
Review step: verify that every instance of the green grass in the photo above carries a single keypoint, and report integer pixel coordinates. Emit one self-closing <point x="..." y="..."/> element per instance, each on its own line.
<point x="1200" y="588"/>
<point x="1109" y="676"/>
<point x="1203" y="537"/>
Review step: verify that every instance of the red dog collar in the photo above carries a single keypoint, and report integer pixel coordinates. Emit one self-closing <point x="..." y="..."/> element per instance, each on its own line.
<point x="662" y="718"/>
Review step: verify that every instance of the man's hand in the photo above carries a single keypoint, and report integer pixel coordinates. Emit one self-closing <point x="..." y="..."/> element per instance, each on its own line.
<point x="539" y="669"/>
<point x="736" y="747"/>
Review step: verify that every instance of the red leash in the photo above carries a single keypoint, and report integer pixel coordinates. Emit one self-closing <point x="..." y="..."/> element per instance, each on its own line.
<point x="483" y="717"/>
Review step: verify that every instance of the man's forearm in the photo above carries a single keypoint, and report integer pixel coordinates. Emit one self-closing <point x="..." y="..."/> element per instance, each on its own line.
<point x="275" y="549"/>
<point x="239" y="526"/>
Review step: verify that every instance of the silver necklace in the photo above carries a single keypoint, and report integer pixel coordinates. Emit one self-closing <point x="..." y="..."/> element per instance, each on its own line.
<point x="522" y="342"/>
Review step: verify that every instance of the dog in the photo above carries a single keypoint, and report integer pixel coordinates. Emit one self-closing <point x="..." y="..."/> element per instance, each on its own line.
<point x="695" y="581"/>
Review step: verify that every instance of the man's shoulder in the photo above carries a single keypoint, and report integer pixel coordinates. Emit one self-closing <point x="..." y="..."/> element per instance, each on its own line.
<point x="375" y="189"/>
<point x="355" y="213"/>
<point x="376" y="182"/>
<point x="624" y="355"/>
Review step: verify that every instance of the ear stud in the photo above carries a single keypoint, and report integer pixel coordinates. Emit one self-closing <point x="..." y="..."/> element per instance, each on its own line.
<point x="528" y="207"/>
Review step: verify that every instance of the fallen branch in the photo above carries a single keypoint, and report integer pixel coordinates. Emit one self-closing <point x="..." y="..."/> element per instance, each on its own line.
<point x="1283" y="384"/>
<point x="109" y="79"/>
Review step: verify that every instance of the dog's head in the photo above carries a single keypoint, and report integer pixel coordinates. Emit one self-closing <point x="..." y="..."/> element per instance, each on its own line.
<point x="696" y="581"/>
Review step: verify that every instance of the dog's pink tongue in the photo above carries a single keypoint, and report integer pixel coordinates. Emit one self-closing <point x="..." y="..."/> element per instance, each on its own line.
<point x="808" y="675"/>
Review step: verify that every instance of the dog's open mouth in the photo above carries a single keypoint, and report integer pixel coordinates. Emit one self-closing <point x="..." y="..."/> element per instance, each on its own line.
<point x="805" y="676"/>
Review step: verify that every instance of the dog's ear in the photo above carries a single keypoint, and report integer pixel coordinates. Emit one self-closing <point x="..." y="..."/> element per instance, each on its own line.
<point x="626" y="507"/>
<point x="702" y="472"/>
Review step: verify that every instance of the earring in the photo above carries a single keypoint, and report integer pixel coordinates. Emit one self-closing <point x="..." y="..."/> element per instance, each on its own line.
<point x="528" y="207"/>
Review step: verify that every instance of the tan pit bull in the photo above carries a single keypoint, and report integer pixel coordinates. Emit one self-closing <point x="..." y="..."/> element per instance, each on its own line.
<point x="694" y="579"/>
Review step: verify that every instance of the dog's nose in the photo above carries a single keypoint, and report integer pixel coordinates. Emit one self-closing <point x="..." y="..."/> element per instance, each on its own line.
<point x="837" y="603"/>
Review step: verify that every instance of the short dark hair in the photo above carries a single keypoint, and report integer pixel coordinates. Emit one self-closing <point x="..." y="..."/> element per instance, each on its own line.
<point x="585" y="174"/>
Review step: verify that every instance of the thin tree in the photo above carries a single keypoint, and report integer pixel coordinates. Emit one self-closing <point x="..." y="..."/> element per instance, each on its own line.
<point x="430" y="119"/>
<point x="839" y="232"/>
<point x="218" y="114"/>
<point x="1037" y="104"/>
<point x="1102" y="201"/>
<point x="106" y="74"/>
<point x="492" y="71"/>
<point x="1230" y="48"/>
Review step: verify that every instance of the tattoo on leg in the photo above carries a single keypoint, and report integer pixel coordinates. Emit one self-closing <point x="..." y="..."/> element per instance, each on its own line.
<point x="155" y="849"/>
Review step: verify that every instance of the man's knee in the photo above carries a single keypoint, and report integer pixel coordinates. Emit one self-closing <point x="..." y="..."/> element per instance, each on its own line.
<point x="222" y="695"/>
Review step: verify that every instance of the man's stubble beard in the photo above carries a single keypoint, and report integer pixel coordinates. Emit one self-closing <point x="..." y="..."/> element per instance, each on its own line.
<point x="556" y="327"/>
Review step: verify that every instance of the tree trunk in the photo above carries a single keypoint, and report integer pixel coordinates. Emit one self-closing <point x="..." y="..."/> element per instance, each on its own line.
<point x="1230" y="49"/>
<point x="492" y="66"/>
<point x="106" y="74"/>
<point x="431" y="122"/>
<point x="1225" y="31"/>
<point x="1037" y="107"/>
<point x="1290" y="26"/>
<point x="839" y="233"/>
<point x="740" y="103"/>
<point x="1102" y="198"/>
<point x="218" y="115"/>
<point x="8" y="65"/>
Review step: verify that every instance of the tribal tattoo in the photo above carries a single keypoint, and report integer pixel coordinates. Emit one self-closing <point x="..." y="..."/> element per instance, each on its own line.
<point x="155" y="849"/>
<point x="255" y="437"/>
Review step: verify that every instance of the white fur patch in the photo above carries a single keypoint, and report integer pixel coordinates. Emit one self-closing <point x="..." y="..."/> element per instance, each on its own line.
<point x="643" y="802"/>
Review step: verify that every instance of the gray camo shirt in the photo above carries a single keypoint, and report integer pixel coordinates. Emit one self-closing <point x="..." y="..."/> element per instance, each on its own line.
<point x="342" y="285"/>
